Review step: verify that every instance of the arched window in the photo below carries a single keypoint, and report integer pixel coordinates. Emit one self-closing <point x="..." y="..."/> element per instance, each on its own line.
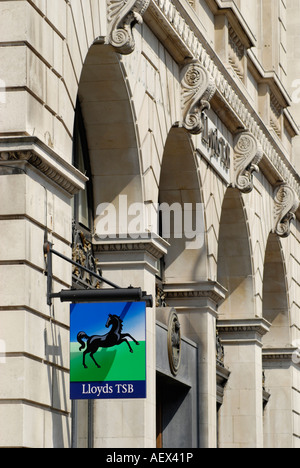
<point x="83" y="201"/>
<point x="83" y="211"/>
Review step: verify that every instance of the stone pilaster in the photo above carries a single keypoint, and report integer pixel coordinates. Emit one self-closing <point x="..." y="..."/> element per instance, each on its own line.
<point x="131" y="262"/>
<point x="241" y="421"/>
<point x="280" y="365"/>
<point x="197" y="305"/>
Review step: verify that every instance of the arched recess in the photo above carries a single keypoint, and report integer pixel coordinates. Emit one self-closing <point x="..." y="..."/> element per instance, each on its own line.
<point x="235" y="271"/>
<point x="180" y="195"/>
<point x="275" y="296"/>
<point x="111" y="134"/>
<point x="114" y="166"/>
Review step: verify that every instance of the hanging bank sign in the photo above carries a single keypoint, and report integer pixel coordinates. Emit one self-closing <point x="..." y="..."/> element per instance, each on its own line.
<point x="108" y="350"/>
<point x="213" y="146"/>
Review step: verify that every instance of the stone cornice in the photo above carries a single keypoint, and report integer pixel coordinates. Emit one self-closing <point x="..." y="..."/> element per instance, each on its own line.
<point x="241" y="326"/>
<point x="155" y="246"/>
<point x="288" y="355"/>
<point x="206" y="289"/>
<point x="181" y="37"/>
<point x="53" y="167"/>
<point x="235" y="330"/>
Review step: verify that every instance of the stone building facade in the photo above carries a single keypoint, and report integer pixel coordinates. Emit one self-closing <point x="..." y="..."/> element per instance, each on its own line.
<point x="191" y="104"/>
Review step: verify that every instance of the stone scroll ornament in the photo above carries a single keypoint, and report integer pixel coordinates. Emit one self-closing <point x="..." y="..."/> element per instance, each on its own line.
<point x="123" y="15"/>
<point x="247" y="155"/>
<point x="285" y="207"/>
<point x="197" y="89"/>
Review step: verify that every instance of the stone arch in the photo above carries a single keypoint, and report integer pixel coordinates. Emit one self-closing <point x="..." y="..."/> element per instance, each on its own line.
<point x="180" y="188"/>
<point x="135" y="74"/>
<point x="275" y="295"/>
<point x="111" y="133"/>
<point x="235" y="266"/>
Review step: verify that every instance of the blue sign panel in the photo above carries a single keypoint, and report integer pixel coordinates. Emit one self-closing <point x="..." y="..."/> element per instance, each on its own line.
<point x="108" y="350"/>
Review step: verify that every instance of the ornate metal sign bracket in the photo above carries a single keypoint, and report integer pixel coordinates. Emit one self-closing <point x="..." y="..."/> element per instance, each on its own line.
<point x="113" y="294"/>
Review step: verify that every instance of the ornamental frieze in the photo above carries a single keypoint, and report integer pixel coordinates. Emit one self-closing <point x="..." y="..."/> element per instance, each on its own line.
<point x="123" y="15"/>
<point x="247" y="156"/>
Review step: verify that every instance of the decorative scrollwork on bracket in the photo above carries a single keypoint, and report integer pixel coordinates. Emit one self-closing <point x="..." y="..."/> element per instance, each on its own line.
<point x="197" y="89"/>
<point x="123" y="15"/>
<point x="286" y="205"/>
<point x="247" y="155"/>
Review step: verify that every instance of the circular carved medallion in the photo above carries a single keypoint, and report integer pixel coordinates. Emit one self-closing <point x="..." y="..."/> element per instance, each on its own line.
<point x="174" y="342"/>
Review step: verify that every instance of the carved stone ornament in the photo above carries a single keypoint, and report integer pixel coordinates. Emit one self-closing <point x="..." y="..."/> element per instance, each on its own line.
<point x="123" y="15"/>
<point x="247" y="155"/>
<point x="174" y="342"/>
<point x="197" y="89"/>
<point x="286" y="205"/>
<point x="220" y="354"/>
<point x="82" y="253"/>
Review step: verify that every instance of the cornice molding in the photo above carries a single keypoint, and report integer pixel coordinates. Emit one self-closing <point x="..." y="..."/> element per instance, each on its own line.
<point x="234" y="331"/>
<point x="243" y="326"/>
<point x="122" y="17"/>
<point x="155" y="246"/>
<point x="247" y="156"/>
<point x="206" y="290"/>
<point x="45" y="161"/>
<point x="197" y="89"/>
<point x="280" y="355"/>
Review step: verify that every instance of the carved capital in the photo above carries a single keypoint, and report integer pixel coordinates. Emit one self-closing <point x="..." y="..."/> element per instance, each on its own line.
<point x="123" y="15"/>
<point x="197" y="89"/>
<point x="247" y="155"/>
<point x="286" y="204"/>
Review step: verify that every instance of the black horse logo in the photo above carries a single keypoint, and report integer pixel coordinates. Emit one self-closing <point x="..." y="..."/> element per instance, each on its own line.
<point x="112" y="338"/>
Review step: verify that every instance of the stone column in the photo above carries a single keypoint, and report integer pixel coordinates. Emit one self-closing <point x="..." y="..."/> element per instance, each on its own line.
<point x="125" y="423"/>
<point x="197" y="304"/>
<point x="241" y="415"/>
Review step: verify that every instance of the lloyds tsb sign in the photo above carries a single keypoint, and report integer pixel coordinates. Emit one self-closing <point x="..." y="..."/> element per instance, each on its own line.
<point x="108" y="350"/>
<point x="215" y="148"/>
